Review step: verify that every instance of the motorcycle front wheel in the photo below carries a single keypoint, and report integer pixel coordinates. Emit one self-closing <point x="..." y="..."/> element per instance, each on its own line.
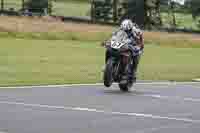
<point x="125" y="87"/>
<point x="108" y="73"/>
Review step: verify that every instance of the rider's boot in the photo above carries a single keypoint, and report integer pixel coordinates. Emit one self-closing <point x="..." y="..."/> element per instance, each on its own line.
<point x="133" y="70"/>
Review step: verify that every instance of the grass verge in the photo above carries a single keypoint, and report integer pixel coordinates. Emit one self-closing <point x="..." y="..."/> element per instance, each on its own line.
<point x="46" y="51"/>
<point x="71" y="8"/>
<point x="41" y="62"/>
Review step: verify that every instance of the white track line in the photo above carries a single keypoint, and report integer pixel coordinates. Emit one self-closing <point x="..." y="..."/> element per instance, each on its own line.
<point x="187" y="99"/>
<point x="51" y="86"/>
<point x="102" y="111"/>
<point x="101" y="84"/>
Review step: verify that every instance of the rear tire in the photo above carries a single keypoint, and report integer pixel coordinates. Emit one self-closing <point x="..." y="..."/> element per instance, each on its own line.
<point x="108" y="77"/>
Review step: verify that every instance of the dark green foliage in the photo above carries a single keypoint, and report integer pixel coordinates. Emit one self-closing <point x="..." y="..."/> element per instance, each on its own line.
<point x="152" y="13"/>
<point x="195" y="8"/>
<point x="117" y="10"/>
<point x="38" y="6"/>
<point x="129" y="9"/>
<point x="78" y="1"/>
<point x="101" y="10"/>
<point x="164" y="2"/>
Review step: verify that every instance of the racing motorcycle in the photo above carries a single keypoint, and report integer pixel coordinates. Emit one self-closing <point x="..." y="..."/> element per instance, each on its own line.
<point x="118" y="61"/>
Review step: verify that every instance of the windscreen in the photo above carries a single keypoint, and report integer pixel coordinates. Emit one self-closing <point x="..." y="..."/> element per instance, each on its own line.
<point x="120" y="36"/>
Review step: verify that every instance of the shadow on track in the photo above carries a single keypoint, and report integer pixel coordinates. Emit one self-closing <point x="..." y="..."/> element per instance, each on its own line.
<point x="129" y="93"/>
<point x="118" y="92"/>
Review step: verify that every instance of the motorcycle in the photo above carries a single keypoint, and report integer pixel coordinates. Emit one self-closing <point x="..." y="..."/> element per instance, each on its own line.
<point x="118" y="61"/>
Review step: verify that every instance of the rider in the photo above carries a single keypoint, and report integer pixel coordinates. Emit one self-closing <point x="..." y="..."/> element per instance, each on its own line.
<point x="136" y="45"/>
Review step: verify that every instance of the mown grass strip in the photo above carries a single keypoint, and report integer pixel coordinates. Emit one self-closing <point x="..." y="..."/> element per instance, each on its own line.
<point x="42" y="62"/>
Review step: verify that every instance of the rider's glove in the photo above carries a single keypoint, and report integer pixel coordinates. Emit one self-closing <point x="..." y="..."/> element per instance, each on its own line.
<point x="137" y="50"/>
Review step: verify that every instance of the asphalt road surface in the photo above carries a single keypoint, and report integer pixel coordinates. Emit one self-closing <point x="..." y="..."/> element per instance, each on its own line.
<point x="151" y="108"/>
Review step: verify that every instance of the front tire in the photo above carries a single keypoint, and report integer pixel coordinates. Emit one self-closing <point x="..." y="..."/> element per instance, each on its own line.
<point x="125" y="87"/>
<point x="108" y="73"/>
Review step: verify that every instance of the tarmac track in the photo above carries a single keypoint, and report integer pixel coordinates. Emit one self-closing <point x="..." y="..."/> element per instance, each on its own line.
<point x="150" y="108"/>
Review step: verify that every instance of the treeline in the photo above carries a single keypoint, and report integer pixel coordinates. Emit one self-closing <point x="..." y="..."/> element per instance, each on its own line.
<point x="148" y="13"/>
<point x="155" y="8"/>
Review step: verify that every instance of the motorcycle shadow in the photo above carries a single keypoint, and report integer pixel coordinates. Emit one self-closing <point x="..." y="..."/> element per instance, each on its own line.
<point x="118" y="92"/>
<point x="130" y="93"/>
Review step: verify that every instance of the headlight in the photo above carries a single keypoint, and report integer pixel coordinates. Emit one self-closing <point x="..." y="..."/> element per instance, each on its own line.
<point x="113" y="44"/>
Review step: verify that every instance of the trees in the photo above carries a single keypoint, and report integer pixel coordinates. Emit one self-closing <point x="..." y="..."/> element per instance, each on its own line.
<point x="195" y="9"/>
<point x="152" y="14"/>
<point x="134" y="9"/>
<point x="194" y="6"/>
<point x="38" y="6"/>
<point x="117" y="10"/>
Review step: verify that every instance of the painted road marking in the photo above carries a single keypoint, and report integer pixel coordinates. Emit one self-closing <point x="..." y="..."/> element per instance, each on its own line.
<point x="187" y="99"/>
<point x="101" y="84"/>
<point x="102" y="111"/>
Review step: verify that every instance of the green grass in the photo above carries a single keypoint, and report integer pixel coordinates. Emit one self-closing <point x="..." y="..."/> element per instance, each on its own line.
<point x="73" y="0"/>
<point x="16" y="4"/>
<point x="60" y="7"/>
<point x="75" y="36"/>
<point x="170" y="63"/>
<point x="28" y="62"/>
<point x="71" y="8"/>
<point x="40" y="62"/>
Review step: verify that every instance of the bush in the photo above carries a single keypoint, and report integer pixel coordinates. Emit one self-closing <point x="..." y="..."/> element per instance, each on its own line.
<point x="37" y="6"/>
